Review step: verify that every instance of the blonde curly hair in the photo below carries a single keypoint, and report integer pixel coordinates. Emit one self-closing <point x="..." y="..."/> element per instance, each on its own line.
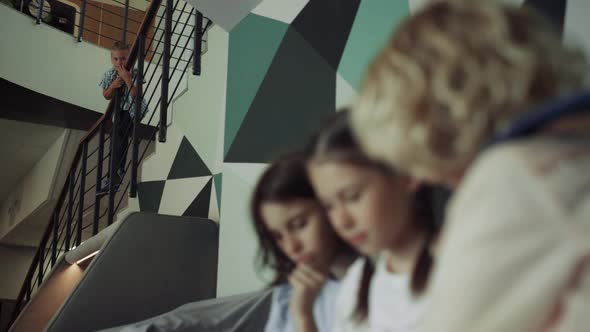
<point x="454" y="74"/>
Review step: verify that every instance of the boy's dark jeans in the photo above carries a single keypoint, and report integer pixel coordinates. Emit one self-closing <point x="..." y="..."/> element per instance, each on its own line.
<point x="123" y="132"/>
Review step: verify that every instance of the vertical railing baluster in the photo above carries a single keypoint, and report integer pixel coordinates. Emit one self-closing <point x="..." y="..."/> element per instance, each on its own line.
<point x="41" y="264"/>
<point x="70" y="208"/>
<point x="125" y="19"/>
<point x="82" y="15"/>
<point x="41" y="3"/>
<point x="138" y="113"/>
<point x="165" y="71"/>
<point x="28" y="293"/>
<point x="55" y="235"/>
<point x="100" y="156"/>
<point x="82" y="189"/>
<point x="114" y="159"/>
<point x="197" y="50"/>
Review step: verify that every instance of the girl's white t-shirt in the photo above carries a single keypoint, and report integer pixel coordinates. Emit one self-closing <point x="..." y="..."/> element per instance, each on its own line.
<point x="391" y="304"/>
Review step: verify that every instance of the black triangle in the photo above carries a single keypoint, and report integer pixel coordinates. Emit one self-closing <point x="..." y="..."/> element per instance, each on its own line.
<point x="297" y="93"/>
<point x="554" y="10"/>
<point x="326" y="24"/>
<point x="150" y="195"/>
<point x="200" y="205"/>
<point x="187" y="163"/>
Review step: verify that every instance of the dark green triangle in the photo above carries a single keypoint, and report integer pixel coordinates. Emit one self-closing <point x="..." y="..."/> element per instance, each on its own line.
<point x="187" y="163"/>
<point x="252" y="46"/>
<point x="298" y="92"/>
<point x="150" y="195"/>
<point x="200" y="205"/>
<point x="217" y="180"/>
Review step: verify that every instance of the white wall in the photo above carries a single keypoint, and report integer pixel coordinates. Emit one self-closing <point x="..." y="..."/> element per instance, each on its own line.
<point x="238" y="271"/>
<point x="199" y="114"/>
<point x="34" y="189"/>
<point x="50" y="61"/>
<point x="14" y="265"/>
<point x="576" y="24"/>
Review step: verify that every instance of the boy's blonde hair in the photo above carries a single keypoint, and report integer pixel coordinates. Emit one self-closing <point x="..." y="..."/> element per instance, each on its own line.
<point x="454" y="74"/>
<point x="120" y="46"/>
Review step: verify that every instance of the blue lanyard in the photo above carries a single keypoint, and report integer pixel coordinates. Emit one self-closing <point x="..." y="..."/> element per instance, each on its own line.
<point x="540" y="117"/>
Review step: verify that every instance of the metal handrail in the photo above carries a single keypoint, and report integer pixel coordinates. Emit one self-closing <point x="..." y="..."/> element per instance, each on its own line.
<point x="132" y="57"/>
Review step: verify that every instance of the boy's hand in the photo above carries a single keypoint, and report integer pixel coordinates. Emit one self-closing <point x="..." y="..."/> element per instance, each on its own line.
<point x="124" y="74"/>
<point x="117" y="83"/>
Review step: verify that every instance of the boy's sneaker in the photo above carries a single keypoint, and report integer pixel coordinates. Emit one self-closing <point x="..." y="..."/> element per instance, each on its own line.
<point x="105" y="188"/>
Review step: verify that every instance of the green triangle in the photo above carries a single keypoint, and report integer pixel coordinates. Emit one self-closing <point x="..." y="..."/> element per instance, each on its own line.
<point x="370" y="31"/>
<point x="252" y="46"/>
<point x="217" y="181"/>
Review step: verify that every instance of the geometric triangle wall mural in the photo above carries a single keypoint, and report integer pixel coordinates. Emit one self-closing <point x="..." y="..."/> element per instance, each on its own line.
<point x="150" y="195"/>
<point x="217" y="181"/>
<point x="200" y="205"/>
<point x="243" y="81"/>
<point x="325" y="25"/>
<point x="187" y="163"/>
<point x="299" y="88"/>
<point x="371" y="29"/>
<point x="286" y="111"/>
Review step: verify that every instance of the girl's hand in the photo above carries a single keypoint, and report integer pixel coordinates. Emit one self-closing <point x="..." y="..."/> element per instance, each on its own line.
<point x="306" y="283"/>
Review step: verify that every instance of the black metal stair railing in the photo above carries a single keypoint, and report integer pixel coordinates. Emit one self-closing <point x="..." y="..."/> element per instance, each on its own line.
<point x="83" y="207"/>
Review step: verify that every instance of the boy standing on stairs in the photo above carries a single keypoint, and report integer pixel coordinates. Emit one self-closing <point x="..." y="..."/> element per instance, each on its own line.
<point x="118" y="78"/>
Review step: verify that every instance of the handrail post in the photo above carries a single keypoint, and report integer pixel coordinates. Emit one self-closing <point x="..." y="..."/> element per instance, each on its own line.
<point x="99" y="161"/>
<point x="41" y="3"/>
<point x="165" y="71"/>
<point x="82" y="189"/>
<point x="55" y="236"/>
<point x="138" y="114"/>
<point x="114" y="159"/>
<point x="70" y="208"/>
<point x="82" y="14"/>
<point x="197" y="50"/>
<point x="125" y="19"/>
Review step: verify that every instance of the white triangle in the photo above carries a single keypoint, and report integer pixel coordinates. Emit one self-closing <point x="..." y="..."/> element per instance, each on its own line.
<point x="213" y="207"/>
<point x="280" y="10"/>
<point x="416" y="5"/>
<point x="246" y="171"/>
<point x="345" y="93"/>
<point x="225" y="13"/>
<point x="180" y="193"/>
<point x="157" y="166"/>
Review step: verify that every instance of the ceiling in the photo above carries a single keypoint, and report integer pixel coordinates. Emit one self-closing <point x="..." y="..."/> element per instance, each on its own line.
<point x="22" y="144"/>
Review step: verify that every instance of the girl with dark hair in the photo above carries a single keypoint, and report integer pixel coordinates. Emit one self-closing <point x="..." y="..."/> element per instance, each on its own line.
<point x="298" y="242"/>
<point x="384" y="215"/>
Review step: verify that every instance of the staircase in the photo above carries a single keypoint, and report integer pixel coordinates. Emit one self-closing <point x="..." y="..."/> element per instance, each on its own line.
<point x="167" y="41"/>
